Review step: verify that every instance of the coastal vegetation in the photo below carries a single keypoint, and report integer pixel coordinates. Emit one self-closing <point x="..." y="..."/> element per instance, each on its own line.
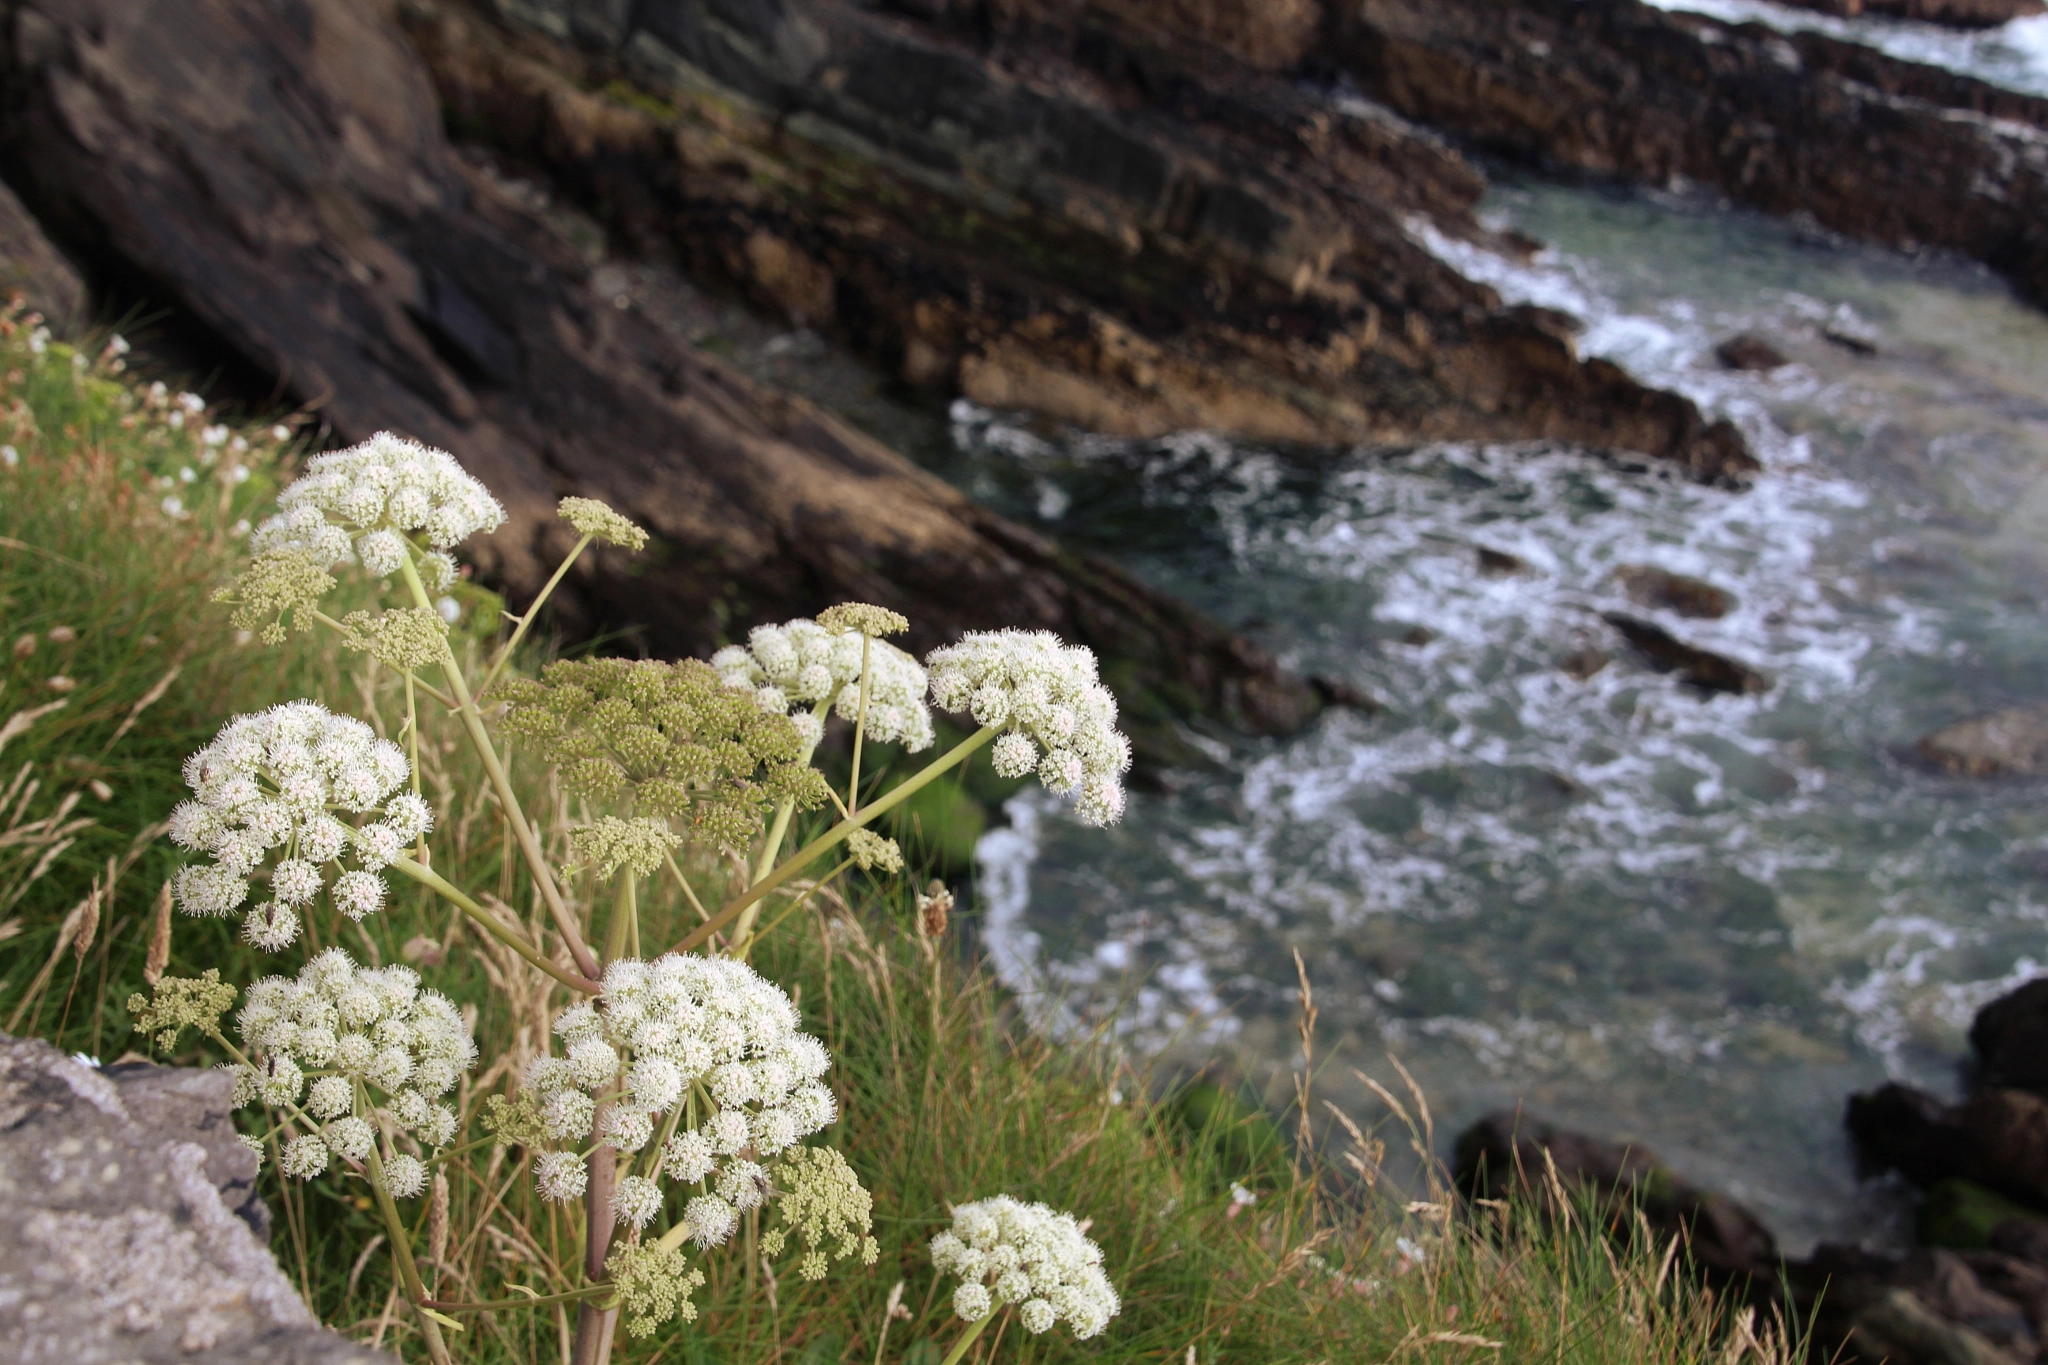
<point x="127" y="508"/>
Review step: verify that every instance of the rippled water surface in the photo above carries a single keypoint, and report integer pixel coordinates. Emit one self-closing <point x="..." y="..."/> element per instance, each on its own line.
<point x="1696" y="921"/>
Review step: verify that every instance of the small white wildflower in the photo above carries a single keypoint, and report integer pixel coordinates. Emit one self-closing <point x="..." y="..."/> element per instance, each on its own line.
<point x="1010" y="1252"/>
<point x="711" y="1220"/>
<point x="214" y="435"/>
<point x="1044" y="695"/>
<point x="567" y="1113"/>
<point x="636" y="1200"/>
<point x="627" y="1128"/>
<point x="404" y="1176"/>
<point x="330" y="1097"/>
<point x="192" y="403"/>
<point x="688" y="1157"/>
<point x="358" y="894"/>
<point x="9" y="456"/>
<point x="803" y="663"/>
<point x="560" y="1176"/>
<point x="351" y="1138"/>
<point x="303" y="1158"/>
<point x="270" y="927"/>
<point x="173" y="506"/>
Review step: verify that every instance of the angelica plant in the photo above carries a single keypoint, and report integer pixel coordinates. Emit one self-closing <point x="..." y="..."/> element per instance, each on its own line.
<point x="680" y="1098"/>
<point x="1023" y="1258"/>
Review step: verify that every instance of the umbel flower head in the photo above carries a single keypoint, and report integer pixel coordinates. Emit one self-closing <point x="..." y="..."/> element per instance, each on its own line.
<point x="1007" y="1252"/>
<point x="375" y="1027"/>
<point x="1056" y="716"/>
<point x="821" y="1201"/>
<point x="659" y="1029"/>
<point x="668" y="739"/>
<point x="176" y="1003"/>
<point x="290" y="790"/>
<point x="654" y="1285"/>
<point x="365" y="504"/>
<point x="804" y="663"/>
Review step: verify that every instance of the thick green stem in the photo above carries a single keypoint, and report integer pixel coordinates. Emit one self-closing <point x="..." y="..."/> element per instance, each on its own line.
<point x="515" y="816"/>
<point x="526" y="621"/>
<point x="967" y="1339"/>
<point x="824" y="843"/>
<point x="860" y="727"/>
<point x="771" y="848"/>
<point x="401" y="1257"/>
<point x="620" y="933"/>
<point x="434" y="881"/>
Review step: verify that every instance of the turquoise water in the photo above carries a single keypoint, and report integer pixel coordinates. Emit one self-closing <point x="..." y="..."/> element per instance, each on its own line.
<point x="1696" y="922"/>
<point x="2014" y="55"/>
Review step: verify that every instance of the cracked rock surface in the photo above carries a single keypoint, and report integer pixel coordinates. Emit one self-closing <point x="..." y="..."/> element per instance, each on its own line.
<point x="130" y="1226"/>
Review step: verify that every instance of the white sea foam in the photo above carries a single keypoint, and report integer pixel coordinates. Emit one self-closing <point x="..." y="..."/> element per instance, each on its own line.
<point x="2014" y="55"/>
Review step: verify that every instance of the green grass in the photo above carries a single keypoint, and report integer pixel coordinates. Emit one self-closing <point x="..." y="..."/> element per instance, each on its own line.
<point x="946" y="1097"/>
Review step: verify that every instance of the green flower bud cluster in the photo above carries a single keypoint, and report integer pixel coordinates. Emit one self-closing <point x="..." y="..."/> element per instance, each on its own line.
<point x="592" y="518"/>
<point x="821" y="1201"/>
<point x="871" y="852"/>
<point x="654" y="1283"/>
<point x="181" y="1003"/>
<point x="671" y="740"/>
<point x="636" y="845"/>
<point x="277" y="584"/>
<point x="515" y="1122"/>
<point x="406" y="638"/>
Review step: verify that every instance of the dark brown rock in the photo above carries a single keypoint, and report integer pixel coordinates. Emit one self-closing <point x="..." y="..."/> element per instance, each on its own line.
<point x="1929" y="1308"/>
<point x="1096" y="212"/>
<point x="1881" y="149"/>
<point x="1649" y="586"/>
<point x="2010" y="1036"/>
<point x="1997" y="1138"/>
<point x="280" y="171"/>
<point x="1749" y="352"/>
<point x="31" y="266"/>
<point x="1501" y="564"/>
<point x="1694" y="666"/>
<point x="2012" y="743"/>
<point x="129" y="1224"/>
<point x="1582" y="664"/>
<point x="1504" y="1151"/>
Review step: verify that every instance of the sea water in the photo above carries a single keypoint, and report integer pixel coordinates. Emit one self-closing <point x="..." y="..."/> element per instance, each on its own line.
<point x="2014" y="54"/>
<point x="1693" y="921"/>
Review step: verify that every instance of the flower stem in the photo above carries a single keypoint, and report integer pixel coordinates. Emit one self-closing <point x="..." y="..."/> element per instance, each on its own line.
<point x="515" y="816"/>
<point x="620" y="933"/>
<point x="401" y="1258"/>
<point x="824" y="843"/>
<point x="526" y="621"/>
<point x="777" y="832"/>
<point x="589" y="1291"/>
<point x="860" y="726"/>
<point x="967" y="1339"/>
<point x="427" y="877"/>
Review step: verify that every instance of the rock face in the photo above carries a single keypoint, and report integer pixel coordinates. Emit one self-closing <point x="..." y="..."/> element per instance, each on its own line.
<point x="1997" y="1138"/>
<point x="129" y="1221"/>
<point x="1877" y="148"/>
<point x="2011" y="743"/>
<point x="1093" y="210"/>
<point x="2010" y="1036"/>
<point x="1725" y="1240"/>
<point x="279" y="171"/>
<point x="32" y="267"/>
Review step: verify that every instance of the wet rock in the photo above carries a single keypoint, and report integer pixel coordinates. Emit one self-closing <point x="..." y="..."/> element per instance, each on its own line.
<point x="1417" y="636"/>
<point x="283" y="175"/>
<point x="1901" y="1328"/>
<point x="1727" y="1242"/>
<point x="2010" y="1036"/>
<point x="129" y="1224"/>
<point x="2012" y="743"/>
<point x="1996" y="1138"/>
<point x="1694" y="666"/>
<point x="1964" y="1216"/>
<point x="1648" y="586"/>
<point x="32" y="266"/>
<point x="1749" y="352"/>
<point x="1102" y="213"/>
<point x="1853" y="340"/>
<point x="1582" y="664"/>
<point x="1929" y="1308"/>
<point x="1338" y="692"/>
<point x="1500" y="564"/>
<point x="1952" y="13"/>
<point x="1886" y="150"/>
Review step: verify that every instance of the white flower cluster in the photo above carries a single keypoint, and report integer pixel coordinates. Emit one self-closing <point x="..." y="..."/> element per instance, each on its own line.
<point x="663" y="1030"/>
<point x="345" y="1026"/>
<point x="1045" y="696"/>
<point x="359" y="505"/>
<point x="1008" y="1252"/>
<point x="274" y="782"/>
<point x="801" y="664"/>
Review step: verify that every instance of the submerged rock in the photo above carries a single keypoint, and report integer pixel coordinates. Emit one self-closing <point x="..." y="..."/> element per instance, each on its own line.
<point x="1649" y="586"/>
<point x="2011" y="743"/>
<point x="1506" y="1150"/>
<point x="2010" y="1036"/>
<point x="1704" y="669"/>
<point x="1748" y="351"/>
<point x="129" y="1224"/>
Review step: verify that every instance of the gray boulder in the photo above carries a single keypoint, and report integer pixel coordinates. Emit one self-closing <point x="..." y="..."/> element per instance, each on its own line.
<point x="2011" y="743"/>
<point x="129" y="1224"/>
